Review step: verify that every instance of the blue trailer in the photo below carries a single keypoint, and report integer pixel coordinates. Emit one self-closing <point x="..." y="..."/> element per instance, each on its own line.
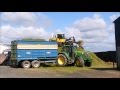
<point x="29" y="53"/>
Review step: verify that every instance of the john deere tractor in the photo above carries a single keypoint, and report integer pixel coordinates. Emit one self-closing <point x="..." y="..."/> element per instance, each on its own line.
<point x="69" y="54"/>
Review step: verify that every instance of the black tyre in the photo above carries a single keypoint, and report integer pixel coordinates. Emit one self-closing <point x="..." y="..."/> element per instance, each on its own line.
<point x="88" y="64"/>
<point x="26" y="64"/>
<point x="61" y="60"/>
<point x="35" y="64"/>
<point x="79" y="62"/>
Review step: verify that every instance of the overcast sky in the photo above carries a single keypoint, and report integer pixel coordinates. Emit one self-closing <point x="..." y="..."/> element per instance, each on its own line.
<point x="96" y="29"/>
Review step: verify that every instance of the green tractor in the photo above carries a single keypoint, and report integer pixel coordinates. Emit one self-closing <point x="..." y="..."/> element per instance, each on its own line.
<point x="69" y="54"/>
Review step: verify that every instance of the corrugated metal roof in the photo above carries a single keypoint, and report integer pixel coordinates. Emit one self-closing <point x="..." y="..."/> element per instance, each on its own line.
<point x="118" y="19"/>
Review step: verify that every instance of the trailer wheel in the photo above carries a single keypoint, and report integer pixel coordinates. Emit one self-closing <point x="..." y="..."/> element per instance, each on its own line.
<point x="35" y="64"/>
<point x="79" y="62"/>
<point x="61" y="60"/>
<point x="26" y="64"/>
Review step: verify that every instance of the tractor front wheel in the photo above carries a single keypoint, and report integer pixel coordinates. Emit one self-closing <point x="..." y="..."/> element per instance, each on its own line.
<point x="79" y="62"/>
<point x="88" y="64"/>
<point x="61" y="60"/>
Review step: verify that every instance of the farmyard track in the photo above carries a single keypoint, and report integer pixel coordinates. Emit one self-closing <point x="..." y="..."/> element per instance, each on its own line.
<point x="9" y="72"/>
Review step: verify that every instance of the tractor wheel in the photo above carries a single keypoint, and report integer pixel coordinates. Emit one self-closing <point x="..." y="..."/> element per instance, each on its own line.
<point x="35" y="64"/>
<point x="26" y="64"/>
<point x="88" y="64"/>
<point x="79" y="62"/>
<point x="61" y="60"/>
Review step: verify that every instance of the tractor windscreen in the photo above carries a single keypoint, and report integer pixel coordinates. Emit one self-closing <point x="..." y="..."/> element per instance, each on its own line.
<point x="66" y="49"/>
<point x="61" y="36"/>
<point x="74" y="48"/>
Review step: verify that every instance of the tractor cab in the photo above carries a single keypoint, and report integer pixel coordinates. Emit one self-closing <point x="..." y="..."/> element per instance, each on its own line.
<point x="61" y="36"/>
<point x="69" y="49"/>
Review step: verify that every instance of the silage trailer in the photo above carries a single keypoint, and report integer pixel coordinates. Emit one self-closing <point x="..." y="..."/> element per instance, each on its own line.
<point x="27" y="53"/>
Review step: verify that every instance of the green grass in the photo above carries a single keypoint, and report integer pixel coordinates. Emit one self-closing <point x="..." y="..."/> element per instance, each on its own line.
<point x="73" y="69"/>
<point x="67" y="69"/>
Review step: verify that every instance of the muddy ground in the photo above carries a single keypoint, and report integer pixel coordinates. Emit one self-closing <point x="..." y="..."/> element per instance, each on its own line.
<point x="59" y="72"/>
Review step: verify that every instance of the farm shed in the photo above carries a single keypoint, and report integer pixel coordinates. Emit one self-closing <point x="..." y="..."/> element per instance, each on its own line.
<point x="117" y="37"/>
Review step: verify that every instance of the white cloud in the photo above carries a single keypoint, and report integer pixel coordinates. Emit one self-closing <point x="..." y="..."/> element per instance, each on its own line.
<point x="88" y="28"/>
<point x="111" y="28"/>
<point x="71" y="31"/>
<point x="16" y="16"/>
<point x="19" y="25"/>
<point x="59" y="31"/>
<point x="101" y="43"/>
<point x="9" y="33"/>
<point x="95" y="33"/>
<point x="25" y="19"/>
<point x="90" y="23"/>
<point x="97" y="47"/>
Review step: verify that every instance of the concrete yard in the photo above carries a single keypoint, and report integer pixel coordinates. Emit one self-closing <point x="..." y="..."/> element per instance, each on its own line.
<point x="59" y="72"/>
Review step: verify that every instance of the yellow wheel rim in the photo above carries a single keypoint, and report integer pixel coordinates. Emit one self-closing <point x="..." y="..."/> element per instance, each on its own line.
<point x="61" y="60"/>
<point x="77" y="62"/>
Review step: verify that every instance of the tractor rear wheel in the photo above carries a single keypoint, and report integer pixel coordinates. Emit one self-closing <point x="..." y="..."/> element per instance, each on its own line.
<point x="26" y="64"/>
<point x="61" y="60"/>
<point x="79" y="62"/>
<point x="35" y="64"/>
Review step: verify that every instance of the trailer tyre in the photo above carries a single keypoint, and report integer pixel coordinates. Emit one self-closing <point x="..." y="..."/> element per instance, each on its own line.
<point x="26" y="64"/>
<point x="35" y="64"/>
<point x="61" y="60"/>
<point x="79" y="62"/>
